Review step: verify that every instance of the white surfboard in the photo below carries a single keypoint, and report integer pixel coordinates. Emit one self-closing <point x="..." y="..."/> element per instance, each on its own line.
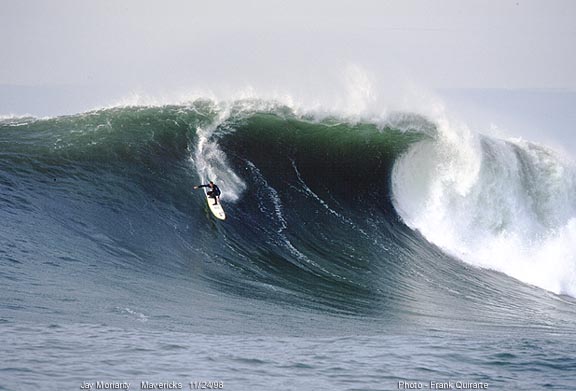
<point x="217" y="209"/>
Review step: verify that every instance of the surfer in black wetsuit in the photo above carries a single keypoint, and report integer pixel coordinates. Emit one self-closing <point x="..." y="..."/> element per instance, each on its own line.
<point x="213" y="193"/>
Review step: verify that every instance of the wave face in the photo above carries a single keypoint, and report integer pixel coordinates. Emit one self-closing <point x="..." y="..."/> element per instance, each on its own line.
<point x="348" y="218"/>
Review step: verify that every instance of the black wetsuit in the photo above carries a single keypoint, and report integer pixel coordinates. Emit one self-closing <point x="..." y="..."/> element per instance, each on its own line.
<point x="215" y="192"/>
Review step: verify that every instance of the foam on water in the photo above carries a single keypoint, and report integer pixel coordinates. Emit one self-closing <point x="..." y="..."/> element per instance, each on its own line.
<point x="498" y="204"/>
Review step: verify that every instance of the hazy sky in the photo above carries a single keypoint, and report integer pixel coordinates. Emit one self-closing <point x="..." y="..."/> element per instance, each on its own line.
<point x="139" y="43"/>
<point x="68" y="56"/>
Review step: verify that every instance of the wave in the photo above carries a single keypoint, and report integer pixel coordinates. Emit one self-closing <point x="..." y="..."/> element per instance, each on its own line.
<point x="325" y="212"/>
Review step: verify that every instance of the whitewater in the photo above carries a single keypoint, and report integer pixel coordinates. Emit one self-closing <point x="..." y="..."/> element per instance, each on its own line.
<point x="507" y="205"/>
<point x="362" y="249"/>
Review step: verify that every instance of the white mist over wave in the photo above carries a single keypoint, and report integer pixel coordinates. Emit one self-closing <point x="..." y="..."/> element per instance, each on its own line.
<point x="503" y="205"/>
<point x="353" y="92"/>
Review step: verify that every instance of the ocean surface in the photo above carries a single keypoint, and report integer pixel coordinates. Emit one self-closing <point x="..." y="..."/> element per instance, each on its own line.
<point x="358" y="253"/>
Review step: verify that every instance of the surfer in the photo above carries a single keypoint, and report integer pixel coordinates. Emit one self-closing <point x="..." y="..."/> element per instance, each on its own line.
<point x="213" y="193"/>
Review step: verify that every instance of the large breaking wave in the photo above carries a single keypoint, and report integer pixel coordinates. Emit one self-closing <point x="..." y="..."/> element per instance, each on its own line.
<point x="331" y="212"/>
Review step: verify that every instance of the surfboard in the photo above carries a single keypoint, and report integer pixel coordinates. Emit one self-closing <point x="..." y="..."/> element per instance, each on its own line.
<point x="217" y="209"/>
